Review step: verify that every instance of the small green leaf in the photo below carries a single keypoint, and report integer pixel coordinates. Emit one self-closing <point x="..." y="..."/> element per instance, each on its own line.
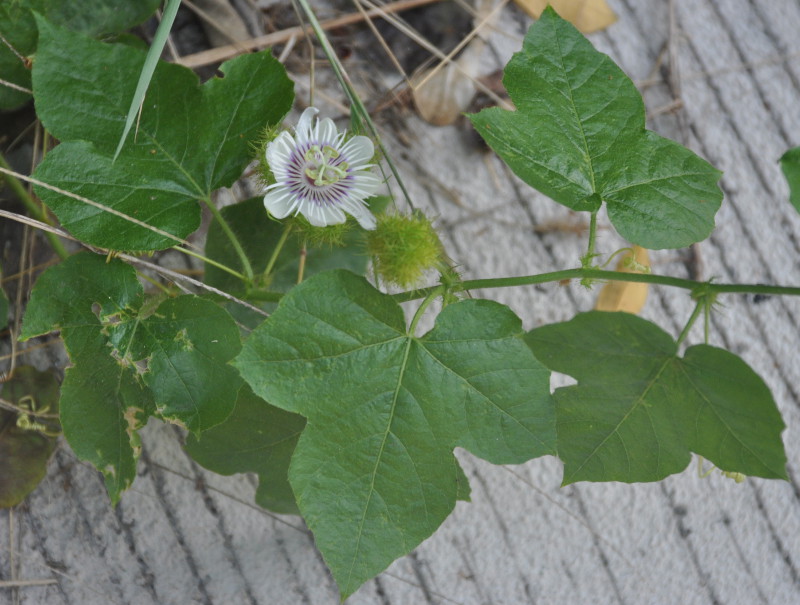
<point x="578" y="135"/>
<point x="191" y="139"/>
<point x="373" y="472"/>
<point x="187" y="344"/>
<point x="256" y="438"/>
<point x="639" y="409"/>
<point x="790" y="164"/>
<point x="24" y="452"/>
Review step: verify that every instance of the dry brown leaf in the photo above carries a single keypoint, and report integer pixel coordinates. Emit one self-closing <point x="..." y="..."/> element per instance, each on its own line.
<point x="622" y="295"/>
<point x="587" y="15"/>
<point x="444" y="96"/>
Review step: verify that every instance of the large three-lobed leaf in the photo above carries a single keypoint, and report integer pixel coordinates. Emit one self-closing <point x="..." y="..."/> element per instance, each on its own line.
<point x="578" y="135"/>
<point x="374" y="472"/>
<point x="190" y="140"/>
<point x="639" y="410"/>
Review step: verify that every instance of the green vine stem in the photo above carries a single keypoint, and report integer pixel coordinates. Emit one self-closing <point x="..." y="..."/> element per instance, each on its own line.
<point x="700" y="288"/>
<point x="35" y="209"/>
<point x="246" y="266"/>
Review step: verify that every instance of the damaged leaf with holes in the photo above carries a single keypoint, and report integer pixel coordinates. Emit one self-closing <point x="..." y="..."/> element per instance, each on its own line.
<point x="131" y="360"/>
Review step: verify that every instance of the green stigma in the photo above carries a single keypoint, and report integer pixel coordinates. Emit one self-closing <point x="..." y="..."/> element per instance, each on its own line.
<point x="320" y="169"/>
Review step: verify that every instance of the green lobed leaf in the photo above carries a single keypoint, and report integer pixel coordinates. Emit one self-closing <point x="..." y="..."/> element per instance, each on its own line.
<point x="24" y="452"/>
<point x="790" y="164"/>
<point x="373" y="472"/>
<point x="92" y="17"/>
<point x="578" y="136"/>
<point x="191" y="139"/>
<point x="256" y="438"/>
<point x="639" y="409"/>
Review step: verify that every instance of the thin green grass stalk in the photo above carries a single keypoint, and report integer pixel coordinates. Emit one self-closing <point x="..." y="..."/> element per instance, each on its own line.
<point x="355" y="100"/>
<point x="150" y="62"/>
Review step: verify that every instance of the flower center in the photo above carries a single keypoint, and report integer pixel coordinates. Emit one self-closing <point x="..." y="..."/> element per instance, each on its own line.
<point x="320" y="167"/>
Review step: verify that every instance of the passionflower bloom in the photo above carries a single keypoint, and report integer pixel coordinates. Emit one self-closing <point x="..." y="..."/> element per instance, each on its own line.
<point x="321" y="174"/>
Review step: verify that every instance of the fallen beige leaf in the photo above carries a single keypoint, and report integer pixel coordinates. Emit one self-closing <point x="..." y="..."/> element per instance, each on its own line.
<point x="587" y="15"/>
<point x="444" y="96"/>
<point x="622" y="295"/>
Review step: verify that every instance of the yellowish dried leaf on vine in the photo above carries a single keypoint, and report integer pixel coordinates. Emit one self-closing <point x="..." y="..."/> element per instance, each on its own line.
<point x="587" y="15"/>
<point x="626" y="296"/>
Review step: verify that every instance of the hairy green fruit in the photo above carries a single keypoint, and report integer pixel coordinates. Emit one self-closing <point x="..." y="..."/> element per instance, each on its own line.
<point x="403" y="247"/>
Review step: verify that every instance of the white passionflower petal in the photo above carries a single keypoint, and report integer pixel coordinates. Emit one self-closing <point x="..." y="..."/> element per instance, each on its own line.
<point x="279" y="152"/>
<point x="278" y="203"/>
<point x="364" y="217"/>
<point x="304" y="124"/>
<point x="327" y="132"/>
<point x="321" y="174"/>
<point x="360" y="149"/>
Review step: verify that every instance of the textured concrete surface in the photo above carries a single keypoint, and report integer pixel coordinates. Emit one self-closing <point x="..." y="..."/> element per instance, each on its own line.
<point x="183" y="536"/>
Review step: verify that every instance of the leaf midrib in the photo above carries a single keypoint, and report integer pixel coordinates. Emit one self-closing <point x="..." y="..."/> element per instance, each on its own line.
<point x="638" y="402"/>
<point x="398" y="385"/>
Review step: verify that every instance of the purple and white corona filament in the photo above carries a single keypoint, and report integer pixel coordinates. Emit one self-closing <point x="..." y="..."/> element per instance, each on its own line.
<point x="320" y="174"/>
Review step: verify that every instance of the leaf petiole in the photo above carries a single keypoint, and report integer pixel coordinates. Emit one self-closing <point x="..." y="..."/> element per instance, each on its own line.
<point x="701" y="304"/>
<point x="435" y="292"/>
<point x="276" y="252"/>
<point x="246" y="266"/>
